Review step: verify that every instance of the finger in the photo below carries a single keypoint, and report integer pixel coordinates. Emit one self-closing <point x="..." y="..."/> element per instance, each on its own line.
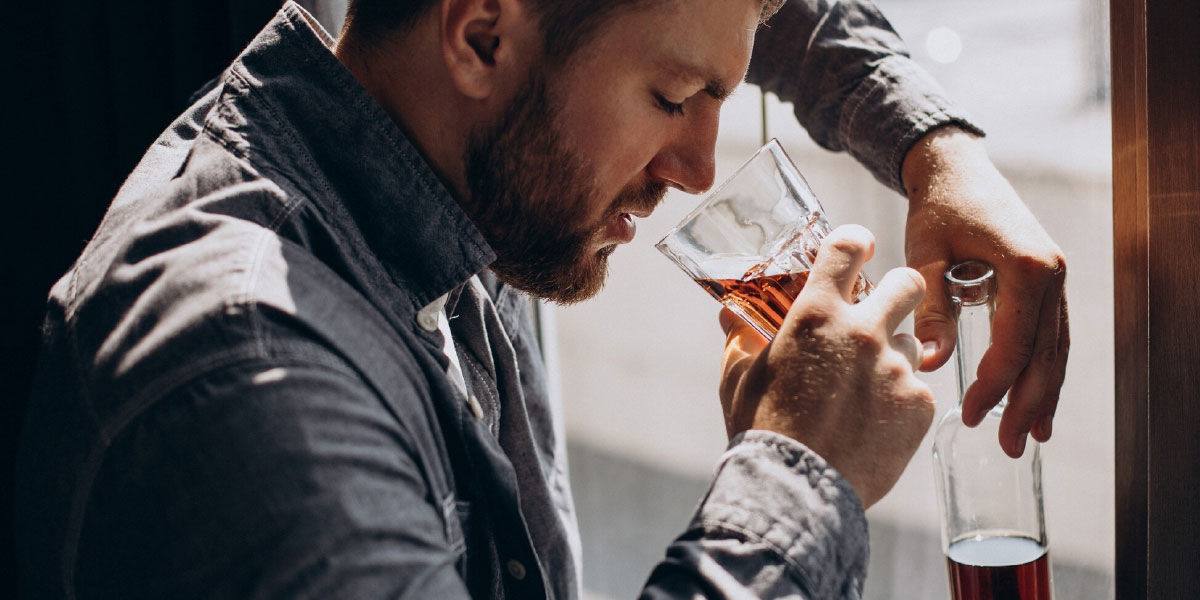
<point x="740" y="338"/>
<point x="742" y="344"/>
<point x="842" y="255"/>
<point x="727" y="320"/>
<point x="1029" y="389"/>
<point x="1043" y="426"/>
<point x="1014" y="329"/>
<point x="897" y="294"/>
<point x="908" y="345"/>
<point x="934" y="322"/>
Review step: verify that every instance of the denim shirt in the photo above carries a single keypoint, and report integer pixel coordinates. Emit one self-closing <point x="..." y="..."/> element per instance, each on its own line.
<point x="238" y="395"/>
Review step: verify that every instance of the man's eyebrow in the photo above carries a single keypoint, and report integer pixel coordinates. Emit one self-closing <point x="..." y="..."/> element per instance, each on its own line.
<point x="717" y="89"/>
<point x="714" y="85"/>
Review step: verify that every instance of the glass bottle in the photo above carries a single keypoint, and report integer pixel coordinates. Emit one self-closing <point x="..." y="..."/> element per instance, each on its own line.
<point x="993" y="530"/>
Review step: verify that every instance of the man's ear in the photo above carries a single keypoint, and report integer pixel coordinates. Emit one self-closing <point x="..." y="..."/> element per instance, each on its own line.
<point x="482" y="42"/>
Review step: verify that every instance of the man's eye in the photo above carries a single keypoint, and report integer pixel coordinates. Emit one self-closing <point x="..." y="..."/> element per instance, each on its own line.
<point x="669" y="107"/>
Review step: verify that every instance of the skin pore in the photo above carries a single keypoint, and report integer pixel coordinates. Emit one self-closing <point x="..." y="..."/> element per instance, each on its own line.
<point x="552" y="160"/>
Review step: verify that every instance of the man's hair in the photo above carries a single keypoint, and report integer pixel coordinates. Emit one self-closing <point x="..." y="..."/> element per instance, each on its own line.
<point x="566" y="24"/>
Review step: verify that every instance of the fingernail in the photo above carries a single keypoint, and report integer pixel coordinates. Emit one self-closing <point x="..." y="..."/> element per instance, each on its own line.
<point x="1046" y="425"/>
<point x="930" y="348"/>
<point x="1021" y="444"/>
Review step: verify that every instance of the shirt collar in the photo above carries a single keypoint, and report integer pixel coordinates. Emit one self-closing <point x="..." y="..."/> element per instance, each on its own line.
<point x="330" y="132"/>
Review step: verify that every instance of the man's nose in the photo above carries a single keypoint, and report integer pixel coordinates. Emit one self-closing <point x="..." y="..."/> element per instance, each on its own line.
<point x="687" y="161"/>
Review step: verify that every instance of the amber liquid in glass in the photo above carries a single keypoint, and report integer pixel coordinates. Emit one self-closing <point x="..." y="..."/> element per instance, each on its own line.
<point x="1016" y="568"/>
<point x="766" y="298"/>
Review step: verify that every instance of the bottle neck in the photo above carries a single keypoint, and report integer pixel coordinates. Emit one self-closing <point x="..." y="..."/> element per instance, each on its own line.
<point x="974" y="338"/>
<point x="972" y="290"/>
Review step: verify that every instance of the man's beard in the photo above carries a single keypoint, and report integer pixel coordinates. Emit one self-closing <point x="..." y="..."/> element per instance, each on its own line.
<point x="528" y="188"/>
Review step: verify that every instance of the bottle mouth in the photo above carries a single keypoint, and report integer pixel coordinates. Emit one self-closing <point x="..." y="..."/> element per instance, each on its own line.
<point x="971" y="282"/>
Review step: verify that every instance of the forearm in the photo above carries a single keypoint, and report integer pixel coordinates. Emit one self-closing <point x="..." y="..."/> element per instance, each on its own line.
<point x="851" y="81"/>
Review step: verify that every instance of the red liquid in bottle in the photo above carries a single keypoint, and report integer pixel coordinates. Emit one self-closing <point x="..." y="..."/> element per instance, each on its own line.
<point x="999" y="568"/>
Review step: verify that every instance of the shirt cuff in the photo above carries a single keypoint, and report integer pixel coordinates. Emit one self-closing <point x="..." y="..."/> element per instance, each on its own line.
<point x="777" y="492"/>
<point x="890" y="111"/>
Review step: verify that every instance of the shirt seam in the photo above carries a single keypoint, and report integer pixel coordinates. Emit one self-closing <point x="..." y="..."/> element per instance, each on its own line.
<point x="711" y="524"/>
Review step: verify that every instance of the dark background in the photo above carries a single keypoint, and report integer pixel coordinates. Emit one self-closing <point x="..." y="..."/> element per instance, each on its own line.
<point x="90" y="86"/>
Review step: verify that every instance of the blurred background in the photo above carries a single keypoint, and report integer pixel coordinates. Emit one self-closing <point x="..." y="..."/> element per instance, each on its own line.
<point x="639" y="363"/>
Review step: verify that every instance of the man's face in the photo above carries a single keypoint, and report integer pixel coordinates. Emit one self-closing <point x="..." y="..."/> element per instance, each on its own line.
<point x="580" y="150"/>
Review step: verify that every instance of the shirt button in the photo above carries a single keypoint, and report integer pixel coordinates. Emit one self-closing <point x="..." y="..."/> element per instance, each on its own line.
<point x="516" y="569"/>
<point x="476" y="408"/>
<point x="428" y="321"/>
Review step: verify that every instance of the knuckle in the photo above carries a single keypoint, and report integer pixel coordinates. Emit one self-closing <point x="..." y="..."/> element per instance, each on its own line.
<point x="1026" y="412"/>
<point x="809" y="319"/>
<point x="844" y="245"/>
<point x="895" y="371"/>
<point x="926" y="405"/>
<point x="1046" y="357"/>
<point x="1052" y="265"/>
<point x="1019" y="355"/>
<point x="928" y="320"/>
<point x="864" y="341"/>
<point x="916" y="281"/>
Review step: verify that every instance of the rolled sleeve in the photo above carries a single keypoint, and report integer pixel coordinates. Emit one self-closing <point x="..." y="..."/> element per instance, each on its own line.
<point x="778" y="521"/>
<point x="852" y="83"/>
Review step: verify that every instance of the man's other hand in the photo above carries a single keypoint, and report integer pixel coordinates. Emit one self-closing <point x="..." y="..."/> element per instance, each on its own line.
<point x="961" y="208"/>
<point x="836" y="377"/>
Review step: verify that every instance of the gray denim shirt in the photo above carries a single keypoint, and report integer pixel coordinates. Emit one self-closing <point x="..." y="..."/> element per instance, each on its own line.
<point x="237" y="395"/>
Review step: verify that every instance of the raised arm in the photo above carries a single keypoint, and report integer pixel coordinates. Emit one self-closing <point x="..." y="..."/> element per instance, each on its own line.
<point x="855" y="89"/>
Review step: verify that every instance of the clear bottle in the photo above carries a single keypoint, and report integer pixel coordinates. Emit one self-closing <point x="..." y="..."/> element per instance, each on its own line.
<point x="993" y="529"/>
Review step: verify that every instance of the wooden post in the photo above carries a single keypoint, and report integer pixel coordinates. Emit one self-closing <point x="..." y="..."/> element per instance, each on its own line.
<point x="1156" y="262"/>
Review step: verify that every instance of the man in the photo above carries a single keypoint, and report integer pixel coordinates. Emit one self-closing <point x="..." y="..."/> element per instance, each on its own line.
<point x="296" y="359"/>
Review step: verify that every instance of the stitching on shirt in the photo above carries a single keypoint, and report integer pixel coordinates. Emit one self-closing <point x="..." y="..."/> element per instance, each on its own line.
<point x="362" y="104"/>
<point x="821" y="23"/>
<point x="160" y="386"/>
<point x="717" y="525"/>
<point x="405" y="151"/>
<point x="285" y="126"/>
<point x="856" y="100"/>
<point x="87" y="474"/>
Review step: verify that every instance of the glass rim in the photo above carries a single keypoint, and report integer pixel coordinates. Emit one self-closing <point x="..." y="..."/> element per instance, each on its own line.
<point x="772" y="146"/>
<point x="970" y="282"/>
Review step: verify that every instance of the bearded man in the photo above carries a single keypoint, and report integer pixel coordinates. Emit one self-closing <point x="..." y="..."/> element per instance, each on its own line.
<point x="296" y="359"/>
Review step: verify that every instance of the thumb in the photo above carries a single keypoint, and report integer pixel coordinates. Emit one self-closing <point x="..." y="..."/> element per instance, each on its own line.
<point x="934" y="322"/>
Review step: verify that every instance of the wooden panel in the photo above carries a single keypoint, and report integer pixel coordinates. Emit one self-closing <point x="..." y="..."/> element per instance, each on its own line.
<point x="1130" y="284"/>
<point x="1156" y="214"/>
<point x="1173" y="158"/>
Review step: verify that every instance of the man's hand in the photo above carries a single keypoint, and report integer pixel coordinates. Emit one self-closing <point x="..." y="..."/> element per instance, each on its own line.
<point x="961" y="207"/>
<point x="835" y="377"/>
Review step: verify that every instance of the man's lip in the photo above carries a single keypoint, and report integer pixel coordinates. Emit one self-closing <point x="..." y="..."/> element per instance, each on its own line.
<point x="641" y="214"/>
<point x="622" y="229"/>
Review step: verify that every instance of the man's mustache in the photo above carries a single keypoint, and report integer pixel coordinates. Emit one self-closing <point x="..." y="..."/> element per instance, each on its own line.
<point x="643" y="199"/>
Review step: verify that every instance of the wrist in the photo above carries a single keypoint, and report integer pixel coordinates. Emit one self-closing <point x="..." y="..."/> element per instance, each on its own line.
<point x="939" y="152"/>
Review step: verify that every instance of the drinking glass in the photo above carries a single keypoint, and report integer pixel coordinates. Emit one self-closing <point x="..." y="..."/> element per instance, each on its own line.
<point x="752" y="242"/>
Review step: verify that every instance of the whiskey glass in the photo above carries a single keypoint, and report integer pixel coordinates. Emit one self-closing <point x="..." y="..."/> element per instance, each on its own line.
<point x="751" y="243"/>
